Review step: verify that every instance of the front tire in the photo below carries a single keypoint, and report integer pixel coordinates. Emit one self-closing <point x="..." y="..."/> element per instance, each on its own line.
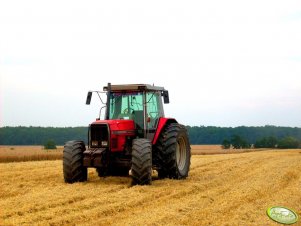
<point x="141" y="162"/>
<point x="73" y="168"/>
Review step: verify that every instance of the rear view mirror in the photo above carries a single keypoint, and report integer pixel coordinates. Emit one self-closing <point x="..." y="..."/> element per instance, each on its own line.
<point x="165" y="97"/>
<point x="89" y="96"/>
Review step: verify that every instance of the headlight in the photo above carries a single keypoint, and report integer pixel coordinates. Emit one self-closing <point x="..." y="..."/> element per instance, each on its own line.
<point x="94" y="143"/>
<point x="104" y="143"/>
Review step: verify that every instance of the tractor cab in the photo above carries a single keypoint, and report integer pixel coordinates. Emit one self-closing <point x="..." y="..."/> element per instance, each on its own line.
<point x="141" y="103"/>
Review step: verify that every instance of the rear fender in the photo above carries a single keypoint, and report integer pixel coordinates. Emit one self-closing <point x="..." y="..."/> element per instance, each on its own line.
<point x="161" y="125"/>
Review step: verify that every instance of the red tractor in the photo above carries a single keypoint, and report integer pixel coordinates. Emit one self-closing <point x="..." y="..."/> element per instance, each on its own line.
<point x="134" y="138"/>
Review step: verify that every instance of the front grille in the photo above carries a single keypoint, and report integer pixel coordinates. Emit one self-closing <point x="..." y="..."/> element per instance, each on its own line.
<point x="98" y="136"/>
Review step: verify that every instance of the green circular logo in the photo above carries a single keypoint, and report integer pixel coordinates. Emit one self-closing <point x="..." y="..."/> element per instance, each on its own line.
<point x="282" y="215"/>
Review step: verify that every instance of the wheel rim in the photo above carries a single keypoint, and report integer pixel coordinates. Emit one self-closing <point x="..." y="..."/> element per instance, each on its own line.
<point x="181" y="153"/>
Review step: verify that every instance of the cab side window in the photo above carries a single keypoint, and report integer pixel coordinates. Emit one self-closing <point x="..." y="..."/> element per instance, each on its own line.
<point x="153" y="109"/>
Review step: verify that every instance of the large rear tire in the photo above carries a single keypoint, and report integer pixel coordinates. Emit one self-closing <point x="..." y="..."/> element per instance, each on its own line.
<point x="159" y="156"/>
<point x="73" y="168"/>
<point x="141" y="162"/>
<point x="173" y="151"/>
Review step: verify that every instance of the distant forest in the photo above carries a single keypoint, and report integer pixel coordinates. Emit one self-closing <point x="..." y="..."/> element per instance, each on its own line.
<point x="216" y="135"/>
<point x="198" y="134"/>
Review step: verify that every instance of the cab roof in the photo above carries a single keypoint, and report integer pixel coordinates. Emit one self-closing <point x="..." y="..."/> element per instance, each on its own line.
<point x="134" y="87"/>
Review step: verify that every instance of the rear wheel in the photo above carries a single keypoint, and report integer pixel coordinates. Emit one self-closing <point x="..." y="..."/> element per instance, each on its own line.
<point x="174" y="152"/>
<point x="141" y="162"/>
<point x="73" y="168"/>
<point x="158" y="157"/>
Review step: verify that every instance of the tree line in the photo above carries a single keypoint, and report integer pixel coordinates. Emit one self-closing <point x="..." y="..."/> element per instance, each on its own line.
<point x="40" y="135"/>
<point x="198" y="134"/>
<point x="238" y="142"/>
<point x="216" y="135"/>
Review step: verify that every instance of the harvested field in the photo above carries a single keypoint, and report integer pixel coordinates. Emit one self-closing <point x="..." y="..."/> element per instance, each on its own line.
<point x="29" y="153"/>
<point x="38" y="153"/>
<point x="222" y="189"/>
<point x="217" y="149"/>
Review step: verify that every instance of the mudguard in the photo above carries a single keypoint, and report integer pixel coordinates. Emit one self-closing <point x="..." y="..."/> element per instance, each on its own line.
<point x="161" y="124"/>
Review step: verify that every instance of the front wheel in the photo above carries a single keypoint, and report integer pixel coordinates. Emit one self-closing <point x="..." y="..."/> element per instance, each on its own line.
<point x="141" y="162"/>
<point x="73" y="168"/>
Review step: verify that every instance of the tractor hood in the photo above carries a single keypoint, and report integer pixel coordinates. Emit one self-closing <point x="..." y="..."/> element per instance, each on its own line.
<point x="119" y="130"/>
<point x="125" y="125"/>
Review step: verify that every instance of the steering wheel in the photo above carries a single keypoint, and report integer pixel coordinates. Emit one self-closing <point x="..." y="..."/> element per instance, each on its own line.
<point x="127" y="110"/>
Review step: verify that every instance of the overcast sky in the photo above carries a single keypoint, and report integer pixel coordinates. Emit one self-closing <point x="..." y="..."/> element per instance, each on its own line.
<point x="225" y="63"/>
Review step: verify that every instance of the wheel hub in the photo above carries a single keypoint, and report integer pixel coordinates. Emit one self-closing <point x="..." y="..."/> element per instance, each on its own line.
<point x="181" y="153"/>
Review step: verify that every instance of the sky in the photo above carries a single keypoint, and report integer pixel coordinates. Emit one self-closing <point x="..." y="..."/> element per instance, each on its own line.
<point x="225" y="63"/>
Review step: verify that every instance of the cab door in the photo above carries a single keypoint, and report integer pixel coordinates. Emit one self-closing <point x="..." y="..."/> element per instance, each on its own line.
<point x="154" y="111"/>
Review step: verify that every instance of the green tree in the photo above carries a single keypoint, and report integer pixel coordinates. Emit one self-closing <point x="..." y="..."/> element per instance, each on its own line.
<point x="50" y="144"/>
<point x="271" y="142"/>
<point x="238" y="142"/>
<point x="226" y="144"/>
<point x="245" y="144"/>
<point x="260" y="143"/>
<point x="288" y="142"/>
<point x="266" y="142"/>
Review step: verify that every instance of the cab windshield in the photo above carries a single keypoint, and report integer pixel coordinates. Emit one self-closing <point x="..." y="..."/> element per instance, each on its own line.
<point x="129" y="105"/>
